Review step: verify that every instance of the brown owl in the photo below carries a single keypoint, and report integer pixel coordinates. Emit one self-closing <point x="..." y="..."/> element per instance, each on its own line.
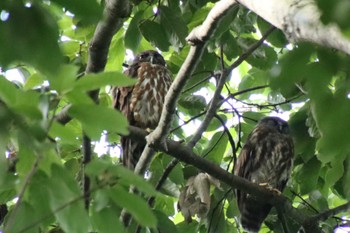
<point x="266" y="159"/>
<point x="142" y="103"/>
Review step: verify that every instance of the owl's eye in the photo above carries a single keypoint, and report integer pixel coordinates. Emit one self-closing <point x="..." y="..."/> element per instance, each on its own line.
<point x="143" y="56"/>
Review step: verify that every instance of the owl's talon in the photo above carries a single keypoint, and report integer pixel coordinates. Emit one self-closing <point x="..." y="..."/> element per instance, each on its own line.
<point x="270" y="188"/>
<point x="264" y="185"/>
<point x="148" y="130"/>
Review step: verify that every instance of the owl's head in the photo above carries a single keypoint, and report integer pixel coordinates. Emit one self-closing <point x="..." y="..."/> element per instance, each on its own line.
<point x="150" y="56"/>
<point x="275" y="123"/>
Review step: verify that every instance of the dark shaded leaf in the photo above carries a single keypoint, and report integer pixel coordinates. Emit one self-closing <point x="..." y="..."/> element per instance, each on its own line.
<point x="164" y="223"/>
<point x="36" y="40"/>
<point x="24" y="218"/>
<point x="174" y="26"/>
<point x="133" y="35"/>
<point x="67" y="204"/>
<point x="155" y="34"/>
<point x="309" y="175"/>
<point x="126" y="176"/>
<point x="263" y="58"/>
<point x="276" y="38"/>
<point x="135" y="205"/>
<point x="104" y="221"/>
<point x="87" y="10"/>
<point x="193" y="101"/>
<point x="215" y="150"/>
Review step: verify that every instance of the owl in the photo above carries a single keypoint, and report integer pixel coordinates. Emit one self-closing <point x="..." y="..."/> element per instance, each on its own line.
<point x="265" y="159"/>
<point x="142" y="103"/>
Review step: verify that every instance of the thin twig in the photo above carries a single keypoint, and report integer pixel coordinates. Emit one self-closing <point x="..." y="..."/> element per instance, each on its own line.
<point x="13" y="215"/>
<point x="230" y="138"/>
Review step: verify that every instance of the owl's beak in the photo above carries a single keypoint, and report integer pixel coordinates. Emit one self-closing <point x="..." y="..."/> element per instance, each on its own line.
<point x="152" y="59"/>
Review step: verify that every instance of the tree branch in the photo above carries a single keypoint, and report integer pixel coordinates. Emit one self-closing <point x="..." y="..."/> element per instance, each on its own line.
<point x="300" y="21"/>
<point x="331" y="212"/>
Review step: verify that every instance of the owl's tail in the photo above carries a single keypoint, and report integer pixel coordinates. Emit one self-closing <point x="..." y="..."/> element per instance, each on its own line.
<point x="253" y="213"/>
<point x="132" y="151"/>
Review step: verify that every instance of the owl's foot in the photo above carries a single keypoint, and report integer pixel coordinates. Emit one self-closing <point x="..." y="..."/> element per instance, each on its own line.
<point x="270" y="188"/>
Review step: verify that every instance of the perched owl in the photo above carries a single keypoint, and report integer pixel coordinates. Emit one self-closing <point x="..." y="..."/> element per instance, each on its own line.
<point x="142" y="103"/>
<point x="266" y="159"/>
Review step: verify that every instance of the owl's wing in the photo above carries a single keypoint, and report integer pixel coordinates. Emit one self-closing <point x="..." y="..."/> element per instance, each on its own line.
<point x="121" y="101"/>
<point x="122" y="95"/>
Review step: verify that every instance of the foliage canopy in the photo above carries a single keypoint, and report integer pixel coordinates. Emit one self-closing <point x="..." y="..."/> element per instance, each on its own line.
<point x="47" y="43"/>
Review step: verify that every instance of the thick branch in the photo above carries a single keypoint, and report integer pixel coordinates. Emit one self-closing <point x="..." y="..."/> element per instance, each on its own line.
<point x="331" y="212"/>
<point x="300" y="21"/>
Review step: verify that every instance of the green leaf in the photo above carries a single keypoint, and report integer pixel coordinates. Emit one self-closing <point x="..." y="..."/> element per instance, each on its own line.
<point x="165" y="204"/>
<point x="33" y="81"/>
<point x="65" y="134"/>
<point x="116" y="53"/>
<point x="334" y="172"/>
<point x="193" y="101"/>
<point x="254" y="78"/>
<point x="191" y="227"/>
<point x="214" y="151"/>
<point x="232" y="210"/>
<point x="343" y="185"/>
<point x="64" y="79"/>
<point x="104" y="221"/>
<point x="70" y="48"/>
<point x="309" y="175"/>
<point x="36" y="40"/>
<point x="135" y="205"/>
<point x="25" y="215"/>
<point x="125" y="176"/>
<point x="217" y="220"/>
<point x="198" y="16"/>
<point x="133" y="35"/>
<point x="215" y="124"/>
<point x="95" y="119"/>
<point x="304" y="143"/>
<point x="155" y="34"/>
<point x="95" y="81"/>
<point x="66" y="201"/>
<point x="174" y="26"/>
<point x="263" y="58"/>
<point x="8" y="91"/>
<point x="88" y="10"/>
<point x="164" y="223"/>
<point x="38" y="197"/>
<point x="276" y="38"/>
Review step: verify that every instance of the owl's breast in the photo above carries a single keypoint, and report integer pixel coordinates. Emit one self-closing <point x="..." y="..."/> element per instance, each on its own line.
<point x="275" y="160"/>
<point x="148" y="95"/>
